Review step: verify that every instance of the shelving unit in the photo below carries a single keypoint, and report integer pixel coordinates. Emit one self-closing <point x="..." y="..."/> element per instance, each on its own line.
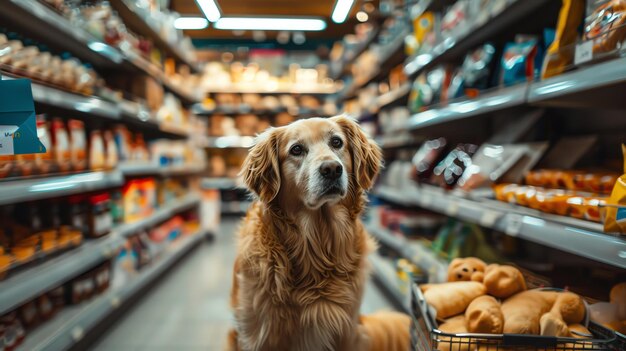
<point x="71" y="324"/>
<point x="225" y="142"/>
<point x="498" y="99"/>
<point x="579" y="237"/>
<point x="45" y="22"/>
<point x="223" y="183"/>
<point x="101" y="111"/>
<point x="22" y="190"/>
<point x="383" y="272"/>
<point x="600" y="83"/>
<point x="271" y="89"/>
<point x="32" y="282"/>
<point x="414" y="251"/>
<point x="389" y="59"/>
<point x="479" y="33"/>
<point x="139" y="21"/>
<point x="353" y="55"/>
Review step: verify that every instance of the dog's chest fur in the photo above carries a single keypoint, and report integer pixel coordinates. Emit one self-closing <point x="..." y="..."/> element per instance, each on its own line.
<point x="301" y="283"/>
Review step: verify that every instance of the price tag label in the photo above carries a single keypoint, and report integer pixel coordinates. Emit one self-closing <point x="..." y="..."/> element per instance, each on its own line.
<point x="584" y="52"/>
<point x="489" y="218"/>
<point x="453" y="209"/>
<point x="77" y="333"/>
<point x="514" y="225"/>
<point x="6" y="139"/>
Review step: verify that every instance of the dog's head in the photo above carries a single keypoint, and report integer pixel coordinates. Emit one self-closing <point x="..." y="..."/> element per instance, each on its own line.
<point x="313" y="161"/>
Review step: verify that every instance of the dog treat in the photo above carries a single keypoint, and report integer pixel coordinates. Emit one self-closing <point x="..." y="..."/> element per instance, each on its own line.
<point x="503" y="281"/>
<point x="483" y="315"/>
<point x="545" y="312"/>
<point x="466" y="269"/>
<point x="450" y="299"/>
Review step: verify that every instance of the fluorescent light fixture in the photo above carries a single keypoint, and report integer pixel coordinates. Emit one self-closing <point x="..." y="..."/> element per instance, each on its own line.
<point x="341" y="10"/>
<point x="271" y="23"/>
<point x="191" y="23"/>
<point x="210" y="9"/>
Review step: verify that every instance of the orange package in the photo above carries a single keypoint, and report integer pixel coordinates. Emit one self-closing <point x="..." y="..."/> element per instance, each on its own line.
<point x="615" y="216"/>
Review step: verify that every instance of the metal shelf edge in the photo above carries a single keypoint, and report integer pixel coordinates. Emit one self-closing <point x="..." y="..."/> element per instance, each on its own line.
<point x="489" y="102"/>
<point x="62" y="333"/>
<point x="594" y="76"/>
<point x="14" y="191"/>
<point x="579" y="240"/>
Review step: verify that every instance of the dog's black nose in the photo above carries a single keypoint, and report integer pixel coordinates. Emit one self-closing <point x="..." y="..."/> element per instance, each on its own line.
<point x="331" y="170"/>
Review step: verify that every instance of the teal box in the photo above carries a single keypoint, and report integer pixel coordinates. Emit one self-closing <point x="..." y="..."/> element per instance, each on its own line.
<point x="18" y="124"/>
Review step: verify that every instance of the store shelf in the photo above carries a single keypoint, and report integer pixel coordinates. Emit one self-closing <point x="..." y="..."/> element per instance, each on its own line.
<point x="137" y="19"/>
<point x="225" y="142"/>
<point x="34" y="281"/>
<point x="393" y="96"/>
<point x="237" y="208"/>
<point x="579" y="237"/>
<point x="387" y="61"/>
<point x="42" y="22"/>
<point x="139" y="63"/>
<point x="384" y="273"/>
<point x="498" y="99"/>
<point x="141" y="169"/>
<point x="271" y="88"/>
<point x="454" y="48"/>
<point x="221" y="183"/>
<point x="14" y="191"/>
<point x="413" y="251"/>
<point x="602" y="82"/>
<point x="74" y="102"/>
<point x="353" y="55"/>
<point x="160" y="215"/>
<point x="73" y="322"/>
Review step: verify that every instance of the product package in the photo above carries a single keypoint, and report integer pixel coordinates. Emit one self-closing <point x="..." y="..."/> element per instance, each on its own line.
<point x="615" y="217"/>
<point x="450" y="169"/>
<point x="605" y="24"/>
<point x="477" y="69"/>
<point x="421" y="94"/>
<point x="455" y="22"/>
<point x="427" y="157"/>
<point x="518" y="60"/>
<point x="560" y="53"/>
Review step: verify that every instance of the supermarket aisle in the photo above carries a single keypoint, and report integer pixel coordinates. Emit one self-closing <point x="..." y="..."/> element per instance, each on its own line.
<point x="189" y="309"/>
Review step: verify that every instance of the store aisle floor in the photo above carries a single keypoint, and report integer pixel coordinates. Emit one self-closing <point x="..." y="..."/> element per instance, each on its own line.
<point x="189" y="309"/>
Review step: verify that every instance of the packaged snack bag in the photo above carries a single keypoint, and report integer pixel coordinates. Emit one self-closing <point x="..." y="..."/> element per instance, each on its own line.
<point x="615" y="216"/>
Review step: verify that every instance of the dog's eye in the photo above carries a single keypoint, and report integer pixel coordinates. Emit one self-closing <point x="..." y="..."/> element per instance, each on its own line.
<point x="336" y="142"/>
<point x="296" y="150"/>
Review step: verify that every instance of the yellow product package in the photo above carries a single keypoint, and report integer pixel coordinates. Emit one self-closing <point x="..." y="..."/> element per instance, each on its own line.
<point x="615" y="216"/>
<point x="559" y="55"/>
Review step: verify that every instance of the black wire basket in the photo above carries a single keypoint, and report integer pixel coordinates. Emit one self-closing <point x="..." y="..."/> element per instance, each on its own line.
<point x="425" y="336"/>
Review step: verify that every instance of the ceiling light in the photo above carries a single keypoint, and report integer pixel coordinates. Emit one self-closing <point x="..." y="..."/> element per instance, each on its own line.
<point x="270" y="23"/>
<point x="191" y="23"/>
<point x="362" y="16"/>
<point x="341" y="10"/>
<point x="210" y="9"/>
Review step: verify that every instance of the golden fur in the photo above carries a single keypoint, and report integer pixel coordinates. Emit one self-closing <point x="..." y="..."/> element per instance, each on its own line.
<point x="302" y="257"/>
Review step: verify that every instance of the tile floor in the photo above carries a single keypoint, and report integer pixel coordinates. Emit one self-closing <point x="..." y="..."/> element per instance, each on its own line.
<point x="188" y="310"/>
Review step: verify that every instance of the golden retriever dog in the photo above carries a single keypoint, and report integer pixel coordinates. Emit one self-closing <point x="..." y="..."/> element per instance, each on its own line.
<point x="301" y="264"/>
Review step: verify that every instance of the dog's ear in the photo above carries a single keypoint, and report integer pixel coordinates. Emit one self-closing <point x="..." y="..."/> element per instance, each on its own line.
<point x="261" y="168"/>
<point x="366" y="155"/>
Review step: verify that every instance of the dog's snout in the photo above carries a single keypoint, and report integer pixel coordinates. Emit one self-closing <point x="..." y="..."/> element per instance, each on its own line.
<point x="331" y="170"/>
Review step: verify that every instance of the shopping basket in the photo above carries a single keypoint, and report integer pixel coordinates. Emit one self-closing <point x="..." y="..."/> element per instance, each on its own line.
<point x="426" y="336"/>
